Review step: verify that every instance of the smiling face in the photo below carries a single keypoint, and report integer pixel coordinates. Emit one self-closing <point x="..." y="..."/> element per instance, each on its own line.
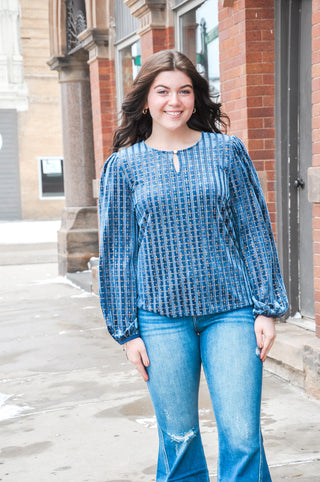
<point x="170" y="101"/>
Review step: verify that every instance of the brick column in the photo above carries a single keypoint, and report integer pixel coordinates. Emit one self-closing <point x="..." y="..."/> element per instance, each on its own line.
<point x="154" y="29"/>
<point x="246" y="35"/>
<point x="104" y="108"/>
<point x="103" y="93"/>
<point x="314" y="171"/>
<point x="152" y="41"/>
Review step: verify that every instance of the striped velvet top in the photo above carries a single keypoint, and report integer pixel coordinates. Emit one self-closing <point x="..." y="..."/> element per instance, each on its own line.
<point x="192" y="242"/>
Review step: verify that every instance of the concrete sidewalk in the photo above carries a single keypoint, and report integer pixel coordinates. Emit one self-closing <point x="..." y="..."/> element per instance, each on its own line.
<point x="28" y="242"/>
<point x="72" y="409"/>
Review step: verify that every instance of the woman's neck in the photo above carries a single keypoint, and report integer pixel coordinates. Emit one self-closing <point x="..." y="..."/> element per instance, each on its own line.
<point x="172" y="140"/>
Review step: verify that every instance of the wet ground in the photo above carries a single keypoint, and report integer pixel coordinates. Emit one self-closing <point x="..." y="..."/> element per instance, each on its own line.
<point x="73" y="410"/>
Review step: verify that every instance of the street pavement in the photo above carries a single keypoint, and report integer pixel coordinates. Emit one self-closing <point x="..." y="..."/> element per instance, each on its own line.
<point x="72" y="408"/>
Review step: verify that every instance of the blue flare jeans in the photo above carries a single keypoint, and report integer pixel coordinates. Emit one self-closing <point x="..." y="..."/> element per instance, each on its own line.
<point x="225" y="345"/>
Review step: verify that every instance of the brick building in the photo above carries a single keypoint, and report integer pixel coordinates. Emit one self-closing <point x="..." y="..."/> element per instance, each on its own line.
<point x="31" y="165"/>
<point x="262" y="57"/>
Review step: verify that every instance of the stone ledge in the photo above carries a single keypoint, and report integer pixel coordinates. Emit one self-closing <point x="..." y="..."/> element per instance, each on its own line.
<point x="78" y="239"/>
<point x="295" y="356"/>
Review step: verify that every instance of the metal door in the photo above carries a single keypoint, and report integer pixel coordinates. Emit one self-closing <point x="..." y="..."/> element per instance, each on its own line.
<point x="10" y="204"/>
<point x="294" y="151"/>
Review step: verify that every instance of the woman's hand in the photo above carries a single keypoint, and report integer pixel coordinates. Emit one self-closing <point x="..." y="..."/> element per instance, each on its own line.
<point x="265" y="334"/>
<point x="137" y="354"/>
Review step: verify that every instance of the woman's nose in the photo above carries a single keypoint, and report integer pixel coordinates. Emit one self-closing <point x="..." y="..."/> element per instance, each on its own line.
<point x="174" y="99"/>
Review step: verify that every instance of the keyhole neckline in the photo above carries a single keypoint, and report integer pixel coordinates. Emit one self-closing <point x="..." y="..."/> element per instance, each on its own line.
<point x="175" y="151"/>
<point x="176" y="161"/>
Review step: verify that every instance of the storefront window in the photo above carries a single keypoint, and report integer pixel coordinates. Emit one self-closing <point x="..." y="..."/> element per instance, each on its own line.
<point x="198" y="38"/>
<point x="129" y="60"/>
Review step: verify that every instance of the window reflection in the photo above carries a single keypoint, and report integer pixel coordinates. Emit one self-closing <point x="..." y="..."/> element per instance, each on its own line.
<point x="130" y="61"/>
<point x="199" y="40"/>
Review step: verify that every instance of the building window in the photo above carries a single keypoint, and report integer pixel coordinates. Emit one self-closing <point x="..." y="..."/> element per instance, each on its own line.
<point x="51" y="177"/>
<point x="128" y="65"/>
<point x="197" y="37"/>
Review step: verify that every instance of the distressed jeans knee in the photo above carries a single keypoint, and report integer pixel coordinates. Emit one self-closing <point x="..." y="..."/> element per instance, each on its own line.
<point x="181" y="457"/>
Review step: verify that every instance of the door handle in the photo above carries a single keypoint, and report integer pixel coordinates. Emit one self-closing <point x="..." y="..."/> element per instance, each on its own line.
<point x="299" y="183"/>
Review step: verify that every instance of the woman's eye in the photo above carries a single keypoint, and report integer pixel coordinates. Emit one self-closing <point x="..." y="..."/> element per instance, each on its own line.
<point x="162" y="92"/>
<point x="185" y="92"/>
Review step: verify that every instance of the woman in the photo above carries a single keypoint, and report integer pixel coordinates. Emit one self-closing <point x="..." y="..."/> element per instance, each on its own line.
<point x="189" y="273"/>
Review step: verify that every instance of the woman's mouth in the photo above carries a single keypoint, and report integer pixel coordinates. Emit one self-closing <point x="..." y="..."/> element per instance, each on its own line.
<point x="173" y="114"/>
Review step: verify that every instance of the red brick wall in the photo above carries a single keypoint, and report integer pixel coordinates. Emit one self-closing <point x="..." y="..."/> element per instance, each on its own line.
<point x="232" y="54"/>
<point x="246" y="36"/>
<point x="316" y="149"/>
<point x="170" y="38"/>
<point x="152" y="41"/>
<point x="155" y="40"/>
<point x="104" y="109"/>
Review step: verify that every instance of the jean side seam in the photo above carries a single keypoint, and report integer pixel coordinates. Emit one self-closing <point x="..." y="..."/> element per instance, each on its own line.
<point x="261" y="455"/>
<point x="162" y="448"/>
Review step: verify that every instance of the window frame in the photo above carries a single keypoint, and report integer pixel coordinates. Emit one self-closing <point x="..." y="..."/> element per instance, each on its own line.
<point x="180" y="10"/>
<point x="124" y="43"/>
<point x="41" y="195"/>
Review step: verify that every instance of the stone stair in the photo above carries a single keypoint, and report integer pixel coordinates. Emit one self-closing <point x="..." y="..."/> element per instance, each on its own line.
<point x="295" y="356"/>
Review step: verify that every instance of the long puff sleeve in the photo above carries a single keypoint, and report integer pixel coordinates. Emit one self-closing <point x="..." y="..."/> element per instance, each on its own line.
<point x="255" y="238"/>
<point x="118" y="252"/>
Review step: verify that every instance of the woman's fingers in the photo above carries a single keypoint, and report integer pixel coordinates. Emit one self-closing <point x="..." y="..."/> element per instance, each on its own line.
<point x="143" y="372"/>
<point x="145" y="358"/>
<point x="137" y="355"/>
<point x="265" y="334"/>
<point x="268" y="342"/>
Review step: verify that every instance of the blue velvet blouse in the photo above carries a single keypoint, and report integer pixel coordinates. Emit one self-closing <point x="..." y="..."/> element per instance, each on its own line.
<point x="192" y="242"/>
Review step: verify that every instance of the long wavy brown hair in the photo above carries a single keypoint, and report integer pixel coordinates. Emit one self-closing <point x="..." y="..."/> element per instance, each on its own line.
<point x="136" y="126"/>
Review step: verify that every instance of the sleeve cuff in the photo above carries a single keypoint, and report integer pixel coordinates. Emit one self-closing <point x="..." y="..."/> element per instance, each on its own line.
<point x="125" y="340"/>
<point x="132" y="331"/>
<point x="272" y="310"/>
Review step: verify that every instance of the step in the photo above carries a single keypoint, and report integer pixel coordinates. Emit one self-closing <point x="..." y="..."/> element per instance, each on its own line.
<point x="295" y="356"/>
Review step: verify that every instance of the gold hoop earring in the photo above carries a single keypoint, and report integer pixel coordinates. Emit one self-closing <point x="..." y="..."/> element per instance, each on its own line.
<point x="145" y="111"/>
<point x="194" y="110"/>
